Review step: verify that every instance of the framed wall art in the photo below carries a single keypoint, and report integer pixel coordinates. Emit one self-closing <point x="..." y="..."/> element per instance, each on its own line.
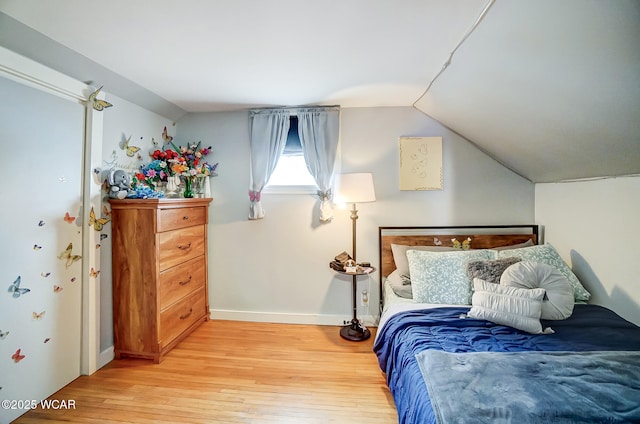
<point x="421" y="163"/>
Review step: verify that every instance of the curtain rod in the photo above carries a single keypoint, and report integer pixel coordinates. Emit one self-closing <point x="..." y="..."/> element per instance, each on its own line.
<point x="293" y="110"/>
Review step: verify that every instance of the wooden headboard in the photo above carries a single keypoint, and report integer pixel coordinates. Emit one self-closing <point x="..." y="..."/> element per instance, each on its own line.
<point x="482" y="237"/>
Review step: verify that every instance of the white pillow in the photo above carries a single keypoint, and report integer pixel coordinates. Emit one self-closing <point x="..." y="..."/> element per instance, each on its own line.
<point x="400" y="286"/>
<point x="547" y="254"/>
<point x="510" y="306"/>
<point x="441" y="277"/>
<point x="558" y="302"/>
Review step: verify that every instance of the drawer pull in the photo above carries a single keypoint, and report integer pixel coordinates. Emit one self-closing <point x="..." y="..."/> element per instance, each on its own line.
<point x="185" y="316"/>
<point x="181" y="247"/>
<point x="184" y="283"/>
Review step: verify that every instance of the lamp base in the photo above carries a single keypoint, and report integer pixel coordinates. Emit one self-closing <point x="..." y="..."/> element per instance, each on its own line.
<point x="355" y="332"/>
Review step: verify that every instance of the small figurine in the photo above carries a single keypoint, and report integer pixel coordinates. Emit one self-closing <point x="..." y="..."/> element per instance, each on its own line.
<point x="119" y="184"/>
<point x="350" y="266"/>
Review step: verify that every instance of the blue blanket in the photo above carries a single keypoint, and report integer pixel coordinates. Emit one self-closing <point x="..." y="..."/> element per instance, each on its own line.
<point x="532" y="387"/>
<point x="590" y="328"/>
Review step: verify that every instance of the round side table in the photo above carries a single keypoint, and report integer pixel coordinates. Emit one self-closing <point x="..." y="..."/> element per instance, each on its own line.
<point x="355" y="331"/>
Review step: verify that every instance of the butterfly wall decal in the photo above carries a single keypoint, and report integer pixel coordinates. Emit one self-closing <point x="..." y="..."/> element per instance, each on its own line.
<point x="45" y="274"/>
<point x="57" y="288"/>
<point x="129" y="150"/>
<point x="3" y="334"/>
<point x="16" y="290"/>
<point x="98" y="104"/>
<point x="18" y="356"/>
<point x="41" y="223"/>
<point x="93" y="273"/>
<point x="68" y="218"/>
<point x="437" y="242"/>
<point x="37" y="247"/>
<point x="38" y="316"/>
<point x="47" y="340"/>
<point x="111" y="163"/>
<point x="97" y="223"/>
<point x="166" y="137"/>
<point x="465" y="245"/>
<point x="67" y="256"/>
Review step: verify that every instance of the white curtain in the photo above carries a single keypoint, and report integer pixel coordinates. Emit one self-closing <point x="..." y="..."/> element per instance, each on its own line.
<point x="318" y="129"/>
<point x="268" y="136"/>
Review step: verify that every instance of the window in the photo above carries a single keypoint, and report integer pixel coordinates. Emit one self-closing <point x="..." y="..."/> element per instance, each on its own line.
<point x="291" y="174"/>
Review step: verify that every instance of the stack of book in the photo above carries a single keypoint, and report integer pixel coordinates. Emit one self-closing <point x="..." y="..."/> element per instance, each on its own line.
<point x="339" y="262"/>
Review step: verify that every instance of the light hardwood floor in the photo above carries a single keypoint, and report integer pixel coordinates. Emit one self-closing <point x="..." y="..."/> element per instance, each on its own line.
<point x="237" y="372"/>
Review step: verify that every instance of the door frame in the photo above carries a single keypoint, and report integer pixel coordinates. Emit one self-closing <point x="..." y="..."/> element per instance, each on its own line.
<point x="28" y="72"/>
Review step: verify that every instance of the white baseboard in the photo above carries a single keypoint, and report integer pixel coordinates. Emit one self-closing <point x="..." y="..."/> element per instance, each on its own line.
<point x="286" y="318"/>
<point x="105" y="357"/>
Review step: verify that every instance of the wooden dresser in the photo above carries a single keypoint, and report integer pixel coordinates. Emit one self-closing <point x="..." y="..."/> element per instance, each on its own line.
<point x="159" y="273"/>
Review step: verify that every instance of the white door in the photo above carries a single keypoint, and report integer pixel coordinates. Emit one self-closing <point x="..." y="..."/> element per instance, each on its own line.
<point x="41" y="163"/>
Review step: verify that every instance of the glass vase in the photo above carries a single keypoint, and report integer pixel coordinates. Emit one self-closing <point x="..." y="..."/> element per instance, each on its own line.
<point x="172" y="185"/>
<point x="199" y="187"/>
<point x="188" y="187"/>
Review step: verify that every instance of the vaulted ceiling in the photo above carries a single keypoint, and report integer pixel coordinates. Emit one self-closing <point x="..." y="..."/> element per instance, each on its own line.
<point x="549" y="88"/>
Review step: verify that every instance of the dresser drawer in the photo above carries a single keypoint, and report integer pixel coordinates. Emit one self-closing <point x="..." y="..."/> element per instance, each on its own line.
<point x="172" y="219"/>
<point x="180" y="280"/>
<point x="181" y="315"/>
<point x="178" y="246"/>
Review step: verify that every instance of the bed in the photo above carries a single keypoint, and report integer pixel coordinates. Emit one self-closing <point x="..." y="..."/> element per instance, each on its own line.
<point x="444" y="364"/>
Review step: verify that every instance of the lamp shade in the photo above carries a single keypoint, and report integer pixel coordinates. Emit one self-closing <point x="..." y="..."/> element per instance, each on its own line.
<point x="354" y="188"/>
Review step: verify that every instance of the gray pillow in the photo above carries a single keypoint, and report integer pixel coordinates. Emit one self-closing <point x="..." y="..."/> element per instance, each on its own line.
<point x="490" y="271"/>
<point x="515" y="246"/>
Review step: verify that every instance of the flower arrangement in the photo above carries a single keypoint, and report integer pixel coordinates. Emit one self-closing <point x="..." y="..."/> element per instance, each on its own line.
<point x="157" y="170"/>
<point x="188" y="162"/>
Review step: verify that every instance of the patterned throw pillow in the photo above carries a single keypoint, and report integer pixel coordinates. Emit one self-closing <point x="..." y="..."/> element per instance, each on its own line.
<point x="399" y="252"/>
<point x="547" y="254"/>
<point x="441" y="277"/>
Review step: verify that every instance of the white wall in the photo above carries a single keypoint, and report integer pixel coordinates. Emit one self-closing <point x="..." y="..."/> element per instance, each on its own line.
<point x="593" y="225"/>
<point x="122" y="120"/>
<point x="276" y="269"/>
